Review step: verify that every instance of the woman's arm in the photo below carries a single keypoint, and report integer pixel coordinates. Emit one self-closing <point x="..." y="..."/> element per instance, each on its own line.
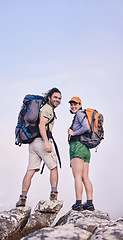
<point x="84" y="126"/>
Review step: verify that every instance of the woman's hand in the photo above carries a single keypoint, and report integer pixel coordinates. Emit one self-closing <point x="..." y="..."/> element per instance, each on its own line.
<point x="70" y="132"/>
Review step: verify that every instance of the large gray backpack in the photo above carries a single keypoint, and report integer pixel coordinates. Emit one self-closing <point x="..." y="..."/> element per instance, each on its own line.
<point x="27" y="126"/>
<point x="28" y="119"/>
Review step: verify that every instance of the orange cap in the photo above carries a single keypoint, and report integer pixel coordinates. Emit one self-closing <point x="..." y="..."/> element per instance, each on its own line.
<point x="75" y="99"/>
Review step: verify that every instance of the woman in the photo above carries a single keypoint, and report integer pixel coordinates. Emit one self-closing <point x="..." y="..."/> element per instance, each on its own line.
<point x="80" y="156"/>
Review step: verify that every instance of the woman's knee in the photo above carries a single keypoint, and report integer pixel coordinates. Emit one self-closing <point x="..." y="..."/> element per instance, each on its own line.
<point x="85" y="178"/>
<point x="78" y="178"/>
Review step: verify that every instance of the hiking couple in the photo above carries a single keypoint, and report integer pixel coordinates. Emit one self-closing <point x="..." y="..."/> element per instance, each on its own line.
<point x="41" y="149"/>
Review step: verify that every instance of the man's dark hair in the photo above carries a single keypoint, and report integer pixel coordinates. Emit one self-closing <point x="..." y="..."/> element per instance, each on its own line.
<point x="50" y="93"/>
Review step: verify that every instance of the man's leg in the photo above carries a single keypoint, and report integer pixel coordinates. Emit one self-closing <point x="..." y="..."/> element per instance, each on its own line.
<point x="54" y="183"/>
<point x="25" y="187"/>
<point x="27" y="180"/>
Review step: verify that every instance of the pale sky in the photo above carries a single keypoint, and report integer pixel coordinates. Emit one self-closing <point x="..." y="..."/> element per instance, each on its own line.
<point x="76" y="46"/>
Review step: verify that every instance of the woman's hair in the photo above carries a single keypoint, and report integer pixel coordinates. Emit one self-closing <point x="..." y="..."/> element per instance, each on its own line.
<point x="50" y="93"/>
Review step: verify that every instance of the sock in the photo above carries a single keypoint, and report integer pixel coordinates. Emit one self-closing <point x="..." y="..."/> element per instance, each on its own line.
<point x="24" y="193"/>
<point x="89" y="202"/>
<point x="53" y="189"/>
<point x="78" y="202"/>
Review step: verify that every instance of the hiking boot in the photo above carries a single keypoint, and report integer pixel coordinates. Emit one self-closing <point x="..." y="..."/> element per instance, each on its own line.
<point x="21" y="202"/>
<point x="53" y="195"/>
<point x="77" y="207"/>
<point x="88" y="207"/>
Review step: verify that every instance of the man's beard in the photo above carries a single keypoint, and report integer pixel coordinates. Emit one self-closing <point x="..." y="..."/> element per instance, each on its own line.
<point x="51" y="103"/>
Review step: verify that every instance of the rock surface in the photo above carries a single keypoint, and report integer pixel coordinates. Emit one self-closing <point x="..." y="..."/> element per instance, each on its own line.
<point x="44" y="214"/>
<point x="111" y="231"/>
<point x="74" y="225"/>
<point x="13" y="221"/>
<point x="68" y="231"/>
<point x="81" y="226"/>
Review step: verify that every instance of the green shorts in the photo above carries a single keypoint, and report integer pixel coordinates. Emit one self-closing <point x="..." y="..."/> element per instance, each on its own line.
<point x="77" y="149"/>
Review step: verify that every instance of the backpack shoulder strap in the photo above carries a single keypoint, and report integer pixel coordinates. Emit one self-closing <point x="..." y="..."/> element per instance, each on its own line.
<point x="54" y="116"/>
<point x="55" y="145"/>
<point x="85" y="116"/>
<point x="71" y="127"/>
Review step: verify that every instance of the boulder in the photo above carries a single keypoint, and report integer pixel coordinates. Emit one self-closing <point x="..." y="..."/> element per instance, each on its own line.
<point x="83" y="216"/>
<point x="67" y="231"/>
<point x="13" y="221"/>
<point x="44" y="214"/>
<point x="110" y="231"/>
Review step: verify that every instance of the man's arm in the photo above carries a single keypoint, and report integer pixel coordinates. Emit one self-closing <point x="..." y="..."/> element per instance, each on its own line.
<point x="42" y="129"/>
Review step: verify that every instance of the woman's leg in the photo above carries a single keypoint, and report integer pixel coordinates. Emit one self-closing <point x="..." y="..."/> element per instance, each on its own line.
<point x="77" y="165"/>
<point x="88" y="187"/>
<point x="87" y="183"/>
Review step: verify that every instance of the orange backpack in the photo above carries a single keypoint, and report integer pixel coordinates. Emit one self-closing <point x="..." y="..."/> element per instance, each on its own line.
<point x="95" y="120"/>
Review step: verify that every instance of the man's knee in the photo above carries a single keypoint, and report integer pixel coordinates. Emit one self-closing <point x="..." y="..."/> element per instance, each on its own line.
<point x="54" y="169"/>
<point x="30" y="173"/>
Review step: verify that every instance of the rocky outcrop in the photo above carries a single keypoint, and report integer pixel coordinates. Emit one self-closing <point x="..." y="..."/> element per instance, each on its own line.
<point x="13" y="221"/>
<point x="85" y="217"/>
<point x="44" y="214"/>
<point x="84" y="225"/>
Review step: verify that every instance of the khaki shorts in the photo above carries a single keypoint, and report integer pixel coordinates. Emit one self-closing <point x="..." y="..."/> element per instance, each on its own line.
<point x="37" y="153"/>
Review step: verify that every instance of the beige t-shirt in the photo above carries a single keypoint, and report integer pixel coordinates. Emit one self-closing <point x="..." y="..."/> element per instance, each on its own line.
<point x="47" y="111"/>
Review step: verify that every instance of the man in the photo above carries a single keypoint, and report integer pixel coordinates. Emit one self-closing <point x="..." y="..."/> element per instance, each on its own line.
<point x="41" y="148"/>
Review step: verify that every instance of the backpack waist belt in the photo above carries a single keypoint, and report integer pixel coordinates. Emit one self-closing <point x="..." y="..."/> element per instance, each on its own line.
<point x="74" y="139"/>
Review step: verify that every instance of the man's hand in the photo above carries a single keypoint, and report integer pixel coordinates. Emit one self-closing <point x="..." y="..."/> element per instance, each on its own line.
<point x="42" y="128"/>
<point x="48" y="147"/>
